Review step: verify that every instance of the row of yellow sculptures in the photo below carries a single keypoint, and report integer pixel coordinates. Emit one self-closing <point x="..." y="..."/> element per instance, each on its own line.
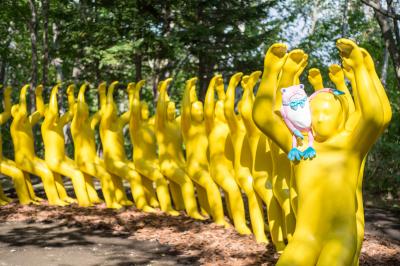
<point x="314" y="207"/>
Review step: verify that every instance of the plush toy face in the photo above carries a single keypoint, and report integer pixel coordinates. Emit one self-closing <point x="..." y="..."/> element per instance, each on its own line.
<point x="296" y="106"/>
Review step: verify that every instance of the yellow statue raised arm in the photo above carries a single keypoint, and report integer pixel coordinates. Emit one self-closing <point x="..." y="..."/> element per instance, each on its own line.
<point x="283" y="181"/>
<point x="196" y="142"/>
<point x="262" y="167"/>
<point x="326" y="231"/>
<point x="112" y="138"/>
<point x="243" y="160"/>
<point x="169" y="139"/>
<point x="145" y="148"/>
<point x="8" y="167"/>
<point x="82" y="129"/>
<point x="221" y="153"/>
<point x="25" y="158"/>
<point x="55" y="157"/>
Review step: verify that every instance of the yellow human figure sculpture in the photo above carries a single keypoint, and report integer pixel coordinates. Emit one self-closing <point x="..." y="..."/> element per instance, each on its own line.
<point x="196" y="142"/>
<point x="145" y="148"/>
<point x="82" y="129"/>
<point x="387" y="114"/>
<point x="222" y="154"/>
<point x="112" y="139"/>
<point x="169" y="139"/>
<point x="262" y="166"/>
<point x="25" y="158"/>
<point x="243" y="160"/>
<point x="55" y="157"/>
<point x="8" y="167"/>
<point x="326" y="224"/>
<point x="282" y="177"/>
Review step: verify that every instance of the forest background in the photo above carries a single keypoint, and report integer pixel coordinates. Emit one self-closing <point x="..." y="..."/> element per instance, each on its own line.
<point x="73" y="41"/>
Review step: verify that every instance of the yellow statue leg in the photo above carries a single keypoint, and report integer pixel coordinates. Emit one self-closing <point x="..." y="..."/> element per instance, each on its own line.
<point x="120" y="194"/>
<point x="149" y="192"/>
<point x="263" y="187"/>
<point x="67" y="168"/>
<point x="153" y="174"/>
<point x="203" y="201"/>
<point x="3" y="196"/>
<point x="30" y="188"/>
<point x="8" y="168"/>
<point x="280" y="184"/>
<point x="61" y="189"/>
<point x="91" y="190"/>
<point x="175" y="174"/>
<point x="255" y="205"/>
<point x="106" y="182"/>
<point x="177" y="197"/>
<point x="224" y="178"/>
<point x="128" y="172"/>
<point x="211" y="195"/>
<point x="39" y="168"/>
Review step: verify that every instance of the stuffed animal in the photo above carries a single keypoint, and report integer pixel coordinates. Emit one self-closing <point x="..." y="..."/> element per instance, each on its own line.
<point x="296" y="113"/>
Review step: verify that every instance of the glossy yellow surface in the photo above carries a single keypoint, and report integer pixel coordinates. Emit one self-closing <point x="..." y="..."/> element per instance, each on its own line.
<point x="171" y="159"/>
<point x="145" y="148"/>
<point x="8" y="167"/>
<point x="326" y="228"/>
<point x="116" y="162"/>
<point x="55" y="157"/>
<point x="243" y="160"/>
<point x="196" y="142"/>
<point x="82" y="129"/>
<point x="25" y="158"/>
<point x="262" y="164"/>
<point x="222" y="154"/>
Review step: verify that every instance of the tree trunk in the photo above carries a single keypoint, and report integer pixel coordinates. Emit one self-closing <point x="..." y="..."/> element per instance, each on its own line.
<point x="390" y="43"/>
<point x="388" y="23"/>
<point x="33" y="34"/>
<point x="2" y="72"/>
<point x="385" y="66"/>
<point x="45" y="14"/>
<point x="138" y="67"/>
<point x="57" y="62"/>
<point x="345" y="25"/>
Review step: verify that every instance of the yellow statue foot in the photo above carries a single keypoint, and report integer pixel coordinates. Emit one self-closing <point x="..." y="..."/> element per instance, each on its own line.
<point x="280" y="246"/>
<point x="243" y="230"/>
<point x="172" y="212"/>
<point x="262" y="239"/>
<point x="96" y="201"/>
<point x="28" y="202"/>
<point x="197" y="216"/>
<point x="7" y="199"/>
<point x="126" y="202"/>
<point x="38" y="199"/>
<point x="115" y="205"/>
<point x="154" y="203"/>
<point x="147" y="209"/>
<point x="2" y="202"/>
<point x="69" y="200"/>
<point x="223" y="223"/>
<point x="58" y="202"/>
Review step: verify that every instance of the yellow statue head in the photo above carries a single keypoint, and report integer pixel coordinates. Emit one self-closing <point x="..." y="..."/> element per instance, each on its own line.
<point x="196" y="111"/>
<point x="328" y="114"/>
<point x="144" y="111"/>
<point x="171" y="111"/>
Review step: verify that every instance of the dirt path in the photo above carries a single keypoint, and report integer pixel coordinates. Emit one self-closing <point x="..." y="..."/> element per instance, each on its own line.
<point x="44" y="235"/>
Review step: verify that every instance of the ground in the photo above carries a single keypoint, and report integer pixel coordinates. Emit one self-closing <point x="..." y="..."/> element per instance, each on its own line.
<point x="46" y="235"/>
